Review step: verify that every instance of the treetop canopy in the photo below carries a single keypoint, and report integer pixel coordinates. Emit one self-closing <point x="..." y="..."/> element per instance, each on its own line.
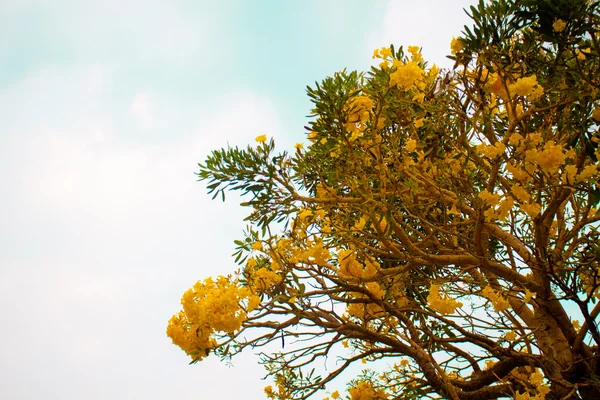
<point x="445" y="221"/>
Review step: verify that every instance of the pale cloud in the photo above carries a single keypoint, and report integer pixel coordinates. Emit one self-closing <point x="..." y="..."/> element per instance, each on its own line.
<point x="151" y="31"/>
<point x="109" y="228"/>
<point x="140" y="110"/>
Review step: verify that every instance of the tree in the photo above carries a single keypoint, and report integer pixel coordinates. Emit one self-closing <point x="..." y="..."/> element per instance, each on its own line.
<point x="444" y="221"/>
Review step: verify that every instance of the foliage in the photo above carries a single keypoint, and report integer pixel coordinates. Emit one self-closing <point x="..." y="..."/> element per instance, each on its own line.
<point x="444" y="221"/>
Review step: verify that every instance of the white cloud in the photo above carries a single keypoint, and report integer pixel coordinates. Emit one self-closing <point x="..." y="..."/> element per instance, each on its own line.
<point x="109" y="227"/>
<point x="152" y="31"/>
<point x="140" y="110"/>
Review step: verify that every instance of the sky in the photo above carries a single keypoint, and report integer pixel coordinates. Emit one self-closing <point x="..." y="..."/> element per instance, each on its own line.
<point x="106" y="107"/>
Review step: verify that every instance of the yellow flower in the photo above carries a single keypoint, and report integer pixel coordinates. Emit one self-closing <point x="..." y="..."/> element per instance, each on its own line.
<point x="522" y="396"/>
<point x="365" y="391"/>
<point x="415" y="52"/>
<point x="499" y="302"/>
<point x="208" y="307"/>
<point x="543" y="390"/>
<point x="491" y="151"/>
<point x="385" y="52"/>
<point x="411" y="145"/>
<point x="559" y="25"/>
<point x="358" y="109"/>
<point x="515" y="139"/>
<point x="406" y="75"/>
<point x="261" y="138"/>
<point x="517" y="172"/>
<point x="443" y="305"/>
<point x="551" y="158"/>
<point x="510" y="336"/>
<point x="489" y="198"/>
<point x="536" y="378"/>
<point x="257" y="246"/>
<point x="375" y="290"/>
<point x="269" y="392"/>
<point x="587" y="172"/>
<point x="456" y="45"/>
<point x="520" y="193"/>
<point x="527" y="87"/>
<point x="263" y="279"/>
<point x="569" y="173"/>
<point x="532" y="209"/>
<point x="335" y="395"/>
<point x="298" y="146"/>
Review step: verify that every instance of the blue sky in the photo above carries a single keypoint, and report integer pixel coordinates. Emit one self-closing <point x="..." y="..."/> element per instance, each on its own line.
<point x="105" y="109"/>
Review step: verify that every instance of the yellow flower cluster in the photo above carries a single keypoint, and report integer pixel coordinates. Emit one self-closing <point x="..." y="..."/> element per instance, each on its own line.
<point x="359" y="111"/>
<point x="364" y="390"/>
<point x="510" y="336"/>
<point x="491" y="151"/>
<point x="444" y="305"/>
<point x="499" y="302"/>
<point x="335" y="395"/>
<point x="520" y="193"/>
<point x="315" y="253"/>
<point x="456" y="45"/>
<point x="367" y="311"/>
<point x="501" y="212"/>
<point x="488" y="198"/>
<point x="280" y="394"/>
<point x="570" y="174"/>
<point x="406" y="76"/>
<point x="415" y="52"/>
<point x="263" y="278"/>
<point x="208" y="307"/>
<point x="551" y="158"/>
<point x="518" y="173"/>
<point x="495" y="84"/>
<point x="532" y="209"/>
<point x="527" y="87"/>
<point x="350" y="267"/>
<point x="541" y="389"/>
<point x="411" y="145"/>
<point x="559" y="25"/>
<point x="384" y="52"/>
